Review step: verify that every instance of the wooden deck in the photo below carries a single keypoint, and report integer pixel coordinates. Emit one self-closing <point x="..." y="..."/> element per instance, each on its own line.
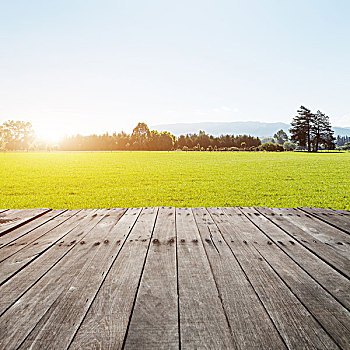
<point x="164" y="278"/>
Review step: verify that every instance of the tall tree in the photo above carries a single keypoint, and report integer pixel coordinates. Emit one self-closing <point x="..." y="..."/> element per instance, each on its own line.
<point x="321" y="132"/>
<point x="301" y="128"/>
<point x="281" y="137"/>
<point x="140" y="135"/>
<point x="16" y="135"/>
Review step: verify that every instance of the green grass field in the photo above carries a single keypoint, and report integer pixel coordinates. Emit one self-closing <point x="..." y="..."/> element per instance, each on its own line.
<point x="181" y="179"/>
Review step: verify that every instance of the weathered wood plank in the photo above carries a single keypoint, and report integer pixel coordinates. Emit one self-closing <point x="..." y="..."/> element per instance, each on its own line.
<point x="154" y="321"/>
<point x="14" y="263"/>
<point x="318" y="229"/>
<point x="245" y="280"/>
<point x="338" y="220"/>
<point x="294" y="322"/>
<point x="330" y="279"/>
<point x="105" y="324"/>
<point x="296" y="230"/>
<point x="21" y="231"/>
<point x="202" y="318"/>
<point x="345" y="213"/>
<point x="251" y="325"/>
<point x="22" y="281"/>
<point x="33" y="231"/>
<point x="56" y="329"/>
<point x="334" y="318"/>
<point x="23" y="318"/>
<point x="11" y="219"/>
<point x="324" y="232"/>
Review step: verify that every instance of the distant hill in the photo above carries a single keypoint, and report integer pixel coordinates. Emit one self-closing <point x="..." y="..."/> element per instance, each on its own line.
<point x="256" y="129"/>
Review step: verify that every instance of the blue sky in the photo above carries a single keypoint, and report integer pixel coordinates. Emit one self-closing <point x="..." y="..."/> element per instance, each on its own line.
<point x="94" y="66"/>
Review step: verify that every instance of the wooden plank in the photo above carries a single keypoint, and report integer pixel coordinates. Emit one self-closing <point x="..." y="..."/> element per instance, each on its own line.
<point x="335" y="283"/>
<point x="18" y="284"/>
<point x="251" y="325"/>
<point x="295" y="324"/>
<point x="334" y="318"/>
<point x="21" y="231"/>
<point x="318" y="229"/>
<point x="154" y="321"/>
<point x="14" y="263"/>
<point x="203" y="322"/>
<point x="33" y="231"/>
<point x="65" y="315"/>
<point x="106" y="322"/>
<point x="340" y="212"/>
<point x="11" y="219"/>
<point x="24" y="318"/>
<point x="338" y="220"/>
<point x="324" y="232"/>
<point x="296" y="230"/>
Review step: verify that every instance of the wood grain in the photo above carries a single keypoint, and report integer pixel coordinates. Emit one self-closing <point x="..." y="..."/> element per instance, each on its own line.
<point x="101" y="247"/>
<point x="340" y="220"/>
<point x="11" y="219"/>
<point x="251" y="325"/>
<point x="154" y="321"/>
<point x="23" y="257"/>
<point x="21" y="318"/>
<point x="34" y="230"/>
<point x="334" y="318"/>
<point x="331" y="280"/>
<point x="166" y="278"/>
<point x="203" y="323"/>
<point x="284" y="308"/>
<point x="105" y="324"/>
<point x="27" y="277"/>
<point x="322" y="248"/>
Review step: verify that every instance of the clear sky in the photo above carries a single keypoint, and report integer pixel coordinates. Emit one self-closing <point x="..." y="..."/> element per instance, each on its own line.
<point x="87" y="66"/>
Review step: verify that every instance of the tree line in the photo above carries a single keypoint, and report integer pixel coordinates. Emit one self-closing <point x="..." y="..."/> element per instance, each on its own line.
<point x="309" y="131"/>
<point x="143" y="139"/>
<point x="343" y="140"/>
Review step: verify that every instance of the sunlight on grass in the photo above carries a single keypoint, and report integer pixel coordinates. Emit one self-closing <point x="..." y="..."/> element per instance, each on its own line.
<point x="181" y="179"/>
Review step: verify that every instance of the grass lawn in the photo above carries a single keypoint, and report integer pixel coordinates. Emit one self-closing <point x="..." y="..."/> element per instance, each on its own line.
<point x="181" y="179"/>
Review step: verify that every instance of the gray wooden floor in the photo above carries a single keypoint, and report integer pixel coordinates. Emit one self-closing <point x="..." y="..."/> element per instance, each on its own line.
<point x="163" y="278"/>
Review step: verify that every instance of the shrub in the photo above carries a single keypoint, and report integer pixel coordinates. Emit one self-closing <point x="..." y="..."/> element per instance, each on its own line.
<point x="289" y="146"/>
<point x="271" y="147"/>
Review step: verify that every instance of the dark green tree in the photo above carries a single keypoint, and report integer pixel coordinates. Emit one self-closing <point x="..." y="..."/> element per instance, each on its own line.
<point x="160" y="141"/>
<point x="140" y="136"/>
<point x="203" y="139"/>
<point x="281" y="137"/>
<point x="321" y="132"/>
<point x="301" y="128"/>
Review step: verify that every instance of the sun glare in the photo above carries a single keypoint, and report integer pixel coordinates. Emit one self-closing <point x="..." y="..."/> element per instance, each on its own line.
<point x="50" y="135"/>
